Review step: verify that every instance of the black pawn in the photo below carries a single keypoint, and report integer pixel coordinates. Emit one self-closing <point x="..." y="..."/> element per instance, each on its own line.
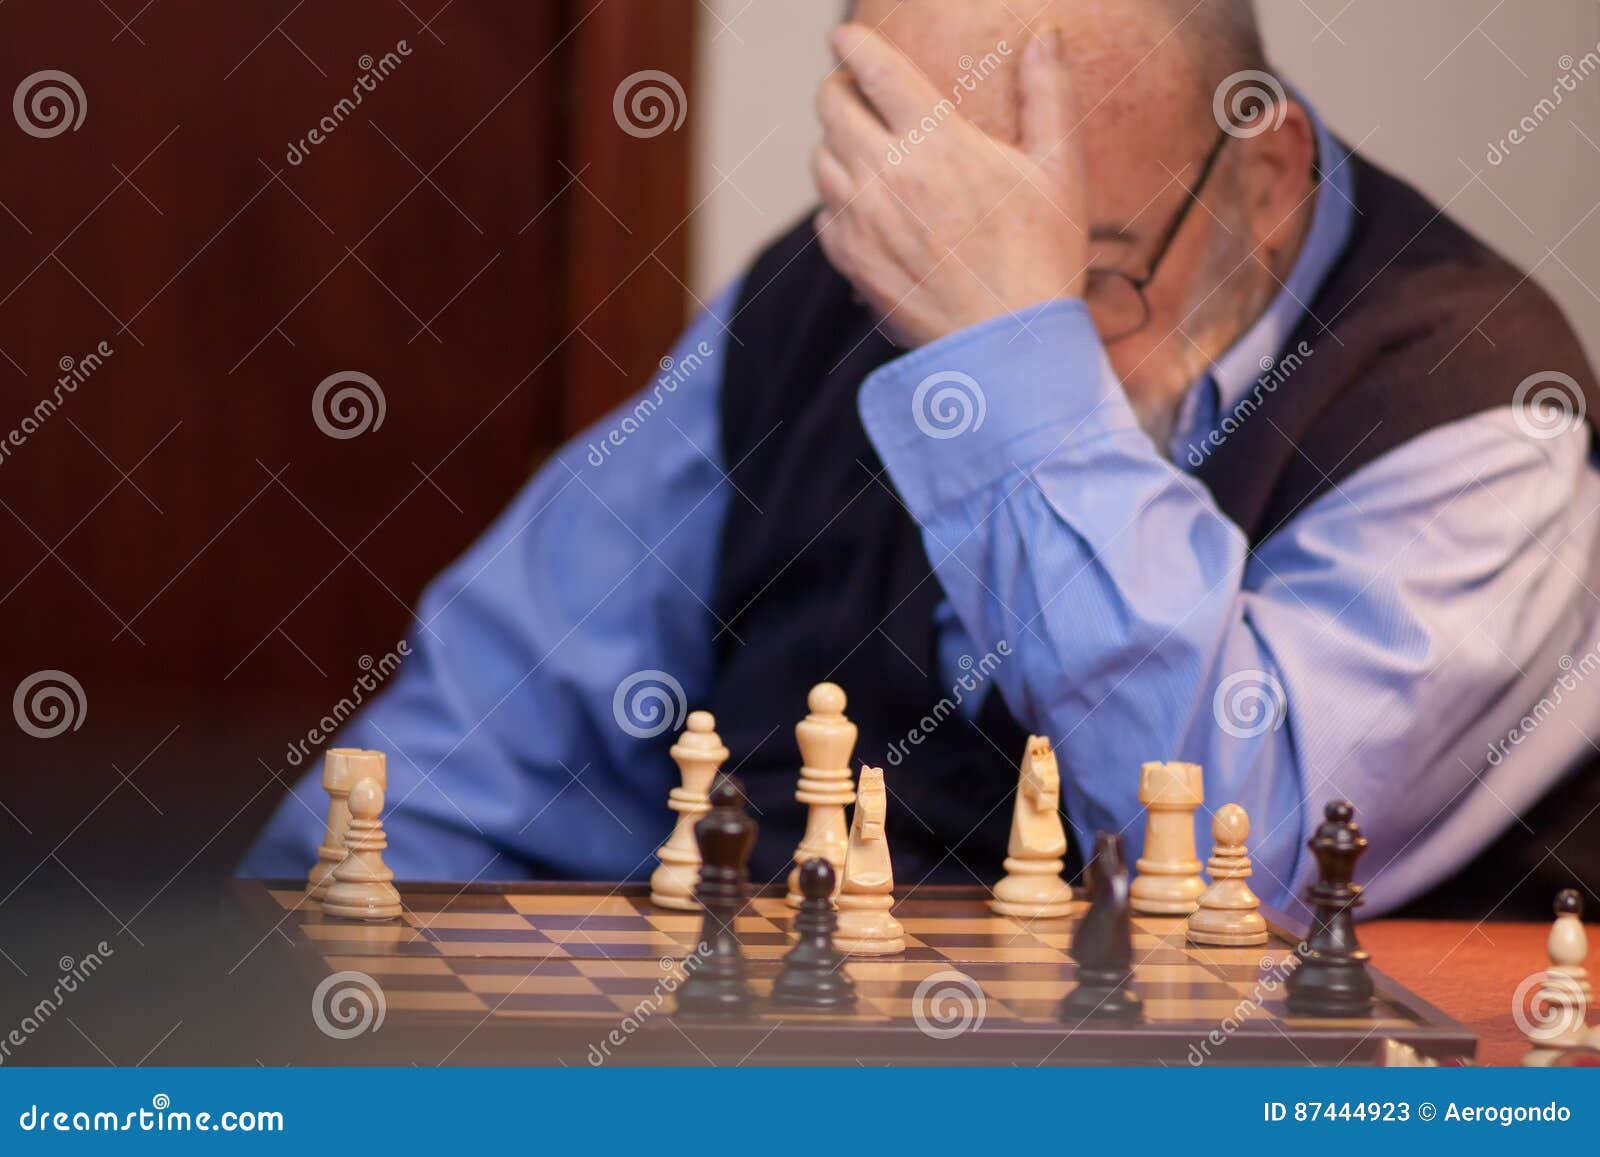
<point x="716" y="984"/>
<point x="813" y="971"/>
<point x="1332" y="979"/>
<point x="1103" y="942"/>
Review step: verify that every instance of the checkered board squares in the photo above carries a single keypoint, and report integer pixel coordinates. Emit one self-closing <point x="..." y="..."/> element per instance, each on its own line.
<point x="602" y="955"/>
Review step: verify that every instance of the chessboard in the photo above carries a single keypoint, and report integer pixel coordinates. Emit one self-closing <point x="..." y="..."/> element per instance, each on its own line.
<point x="584" y="974"/>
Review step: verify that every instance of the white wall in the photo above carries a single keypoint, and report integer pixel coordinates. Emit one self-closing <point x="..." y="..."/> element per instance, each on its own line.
<point x="1423" y="86"/>
<point x="753" y="126"/>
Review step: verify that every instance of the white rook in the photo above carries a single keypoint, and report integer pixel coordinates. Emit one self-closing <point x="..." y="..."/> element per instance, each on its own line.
<point x="342" y="769"/>
<point x="1169" y="882"/>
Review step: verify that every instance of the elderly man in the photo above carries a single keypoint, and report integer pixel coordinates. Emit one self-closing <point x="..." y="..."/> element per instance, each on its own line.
<point x="1106" y="396"/>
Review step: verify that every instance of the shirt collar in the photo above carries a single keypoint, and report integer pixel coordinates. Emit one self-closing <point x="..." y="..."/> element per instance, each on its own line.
<point x="1234" y="374"/>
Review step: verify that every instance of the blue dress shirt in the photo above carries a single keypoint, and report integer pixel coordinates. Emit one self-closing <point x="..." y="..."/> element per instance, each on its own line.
<point x="1372" y="648"/>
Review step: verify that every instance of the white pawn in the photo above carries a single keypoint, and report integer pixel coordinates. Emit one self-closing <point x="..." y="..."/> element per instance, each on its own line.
<point x="698" y="753"/>
<point x="866" y="927"/>
<point x="361" y="887"/>
<point x="1228" y="913"/>
<point x="342" y="769"/>
<point x="1561" y="1005"/>
<point x="1032" y="887"/>
<point x="1393" y="1054"/>
<point x="826" y="738"/>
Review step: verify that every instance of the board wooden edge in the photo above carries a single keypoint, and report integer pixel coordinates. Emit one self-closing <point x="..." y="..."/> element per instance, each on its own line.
<point x="556" y="1040"/>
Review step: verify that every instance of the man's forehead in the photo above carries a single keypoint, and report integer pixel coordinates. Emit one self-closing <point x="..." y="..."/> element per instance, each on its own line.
<point x="1126" y="59"/>
<point x="1135" y="91"/>
<point x="1098" y="33"/>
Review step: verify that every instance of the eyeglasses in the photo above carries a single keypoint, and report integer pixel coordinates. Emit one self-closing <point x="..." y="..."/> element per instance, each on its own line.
<point x="1117" y="300"/>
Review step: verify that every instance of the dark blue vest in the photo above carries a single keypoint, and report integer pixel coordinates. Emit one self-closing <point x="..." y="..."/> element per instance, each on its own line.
<point x="823" y="574"/>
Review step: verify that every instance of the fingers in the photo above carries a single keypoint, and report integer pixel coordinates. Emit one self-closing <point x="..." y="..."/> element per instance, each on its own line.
<point x="891" y="84"/>
<point x="1049" y="109"/>
<point x="828" y="229"/>
<point x="831" y="178"/>
<point x="850" y="131"/>
<point x="835" y="236"/>
<point x="880" y="283"/>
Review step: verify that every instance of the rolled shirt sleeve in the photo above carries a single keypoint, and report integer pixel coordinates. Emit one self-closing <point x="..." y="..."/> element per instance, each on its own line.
<point x="1345" y="657"/>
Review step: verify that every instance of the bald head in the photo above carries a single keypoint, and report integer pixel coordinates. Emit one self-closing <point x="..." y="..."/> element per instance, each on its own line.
<point x="1218" y="38"/>
<point x="1221" y="36"/>
<point x="1152" y="56"/>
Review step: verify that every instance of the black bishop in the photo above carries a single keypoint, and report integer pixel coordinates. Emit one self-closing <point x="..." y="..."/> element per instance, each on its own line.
<point x="716" y="983"/>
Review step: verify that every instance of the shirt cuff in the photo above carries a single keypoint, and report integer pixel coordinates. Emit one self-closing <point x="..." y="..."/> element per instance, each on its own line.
<point x="956" y="416"/>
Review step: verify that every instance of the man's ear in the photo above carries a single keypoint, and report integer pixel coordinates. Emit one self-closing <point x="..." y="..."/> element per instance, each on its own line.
<point x="1278" y="182"/>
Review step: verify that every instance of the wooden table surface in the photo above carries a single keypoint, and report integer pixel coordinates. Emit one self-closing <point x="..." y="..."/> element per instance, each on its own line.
<point x="1471" y="971"/>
